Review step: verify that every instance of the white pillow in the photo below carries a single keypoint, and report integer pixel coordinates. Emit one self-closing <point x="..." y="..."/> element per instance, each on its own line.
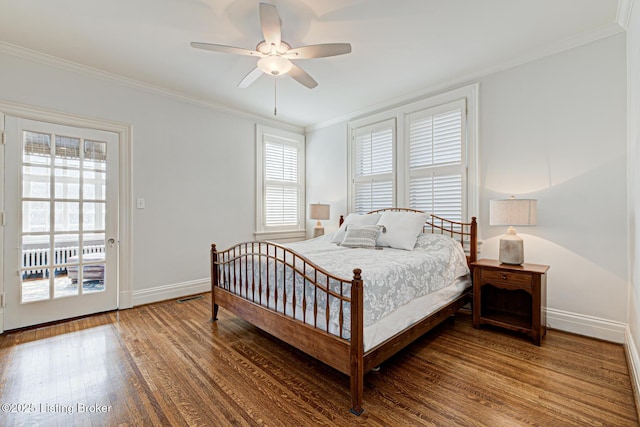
<point x="401" y="229"/>
<point x="361" y="236"/>
<point x="355" y="219"/>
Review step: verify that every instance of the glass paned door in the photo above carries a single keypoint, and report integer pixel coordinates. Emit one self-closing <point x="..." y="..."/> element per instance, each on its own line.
<point x="65" y="222"/>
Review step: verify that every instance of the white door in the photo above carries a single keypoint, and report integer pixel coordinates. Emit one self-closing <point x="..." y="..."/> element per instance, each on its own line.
<point x="61" y="222"/>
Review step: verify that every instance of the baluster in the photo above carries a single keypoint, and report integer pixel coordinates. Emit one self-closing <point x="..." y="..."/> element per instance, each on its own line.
<point x="233" y="272"/>
<point x="293" y="281"/>
<point x="222" y="259"/>
<point x="284" y="282"/>
<point x="260" y="273"/>
<point x="227" y="271"/>
<point x="327" y="310"/>
<point x="241" y="266"/>
<point x="341" y="318"/>
<point x="253" y="273"/>
<point x="304" y="291"/>
<point x="315" y="298"/>
<point x="268" y="261"/>
<point x="275" y="276"/>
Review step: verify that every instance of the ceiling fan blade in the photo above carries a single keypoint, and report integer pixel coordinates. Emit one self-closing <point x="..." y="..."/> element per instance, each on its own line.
<point x="302" y="77"/>
<point x="318" y="51"/>
<point x="250" y="78"/>
<point x="271" y="25"/>
<point x="225" y="49"/>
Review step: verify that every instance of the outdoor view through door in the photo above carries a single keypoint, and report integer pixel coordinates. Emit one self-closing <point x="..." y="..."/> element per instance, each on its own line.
<point x="75" y="170"/>
<point x="65" y="237"/>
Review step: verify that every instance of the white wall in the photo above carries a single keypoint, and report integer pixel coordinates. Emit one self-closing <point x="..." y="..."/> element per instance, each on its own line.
<point x="553" y="129"/>
<point x="193" y="165"/>
<point x="327" y="173"/>
<point x="633" y="91"/>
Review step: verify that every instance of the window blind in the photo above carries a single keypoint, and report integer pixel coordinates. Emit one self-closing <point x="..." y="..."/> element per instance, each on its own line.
<point x="373" y="166"/>
<point x="440" y="195"/>
<point x="437" y="169"/>
<point x="280" y="184"/>
<point x="373" y="195"/>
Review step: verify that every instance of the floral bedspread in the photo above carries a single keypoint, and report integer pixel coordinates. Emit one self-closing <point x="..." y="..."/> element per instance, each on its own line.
<point x="392" y="277"/>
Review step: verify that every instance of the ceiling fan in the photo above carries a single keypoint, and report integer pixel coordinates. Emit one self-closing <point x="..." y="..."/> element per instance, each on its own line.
<point x="275" y="54"/>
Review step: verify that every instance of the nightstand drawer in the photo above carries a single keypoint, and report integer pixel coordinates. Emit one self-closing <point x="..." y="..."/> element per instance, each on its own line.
<point x="506" y="278"/>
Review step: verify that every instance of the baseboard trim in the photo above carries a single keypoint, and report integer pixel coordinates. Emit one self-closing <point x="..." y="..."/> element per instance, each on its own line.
<point x="125" y="300"/>
<point x="166" y="292"/>
<point x="633" y="363"/>
<point x="589" y="326"/>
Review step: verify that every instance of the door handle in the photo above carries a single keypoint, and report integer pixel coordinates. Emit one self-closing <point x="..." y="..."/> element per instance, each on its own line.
<point x="111" y="241"/>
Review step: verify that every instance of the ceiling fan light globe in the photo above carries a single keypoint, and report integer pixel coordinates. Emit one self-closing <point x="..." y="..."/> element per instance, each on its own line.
<point x="274" y="65"/>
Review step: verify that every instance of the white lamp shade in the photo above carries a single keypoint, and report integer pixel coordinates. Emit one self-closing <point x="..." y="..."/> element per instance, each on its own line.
<point x="318" y="211"/>
<point x="513" y="212"/>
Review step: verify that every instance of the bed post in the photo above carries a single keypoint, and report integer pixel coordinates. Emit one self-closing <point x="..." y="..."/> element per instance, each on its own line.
<point x="473" y="255"/>
<point x="357" y="343"/>
<point x="214" y="281"/>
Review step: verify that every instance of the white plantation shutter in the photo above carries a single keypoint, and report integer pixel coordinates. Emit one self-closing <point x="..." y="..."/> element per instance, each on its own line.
<point x="440" y="195"/>
<point x="373" y="195"/>
<point x="281" y="184"/>
<point x="373" y="171"/>
<point x="437" y="163"/>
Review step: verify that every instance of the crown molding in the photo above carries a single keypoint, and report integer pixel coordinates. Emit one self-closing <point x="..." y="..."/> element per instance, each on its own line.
<point x="623" y="14"/>
<point x="63" y="64"/>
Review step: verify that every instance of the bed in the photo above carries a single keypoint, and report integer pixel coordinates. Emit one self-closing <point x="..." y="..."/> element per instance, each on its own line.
<point x="302" y="294"/>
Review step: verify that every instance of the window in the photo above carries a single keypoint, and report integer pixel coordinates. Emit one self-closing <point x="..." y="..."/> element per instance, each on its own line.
<point x="429" y="165"/>
<point x="280" y="184"/>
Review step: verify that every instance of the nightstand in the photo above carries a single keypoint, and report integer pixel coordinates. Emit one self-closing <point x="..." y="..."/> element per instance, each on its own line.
<point x="510" y="296"/>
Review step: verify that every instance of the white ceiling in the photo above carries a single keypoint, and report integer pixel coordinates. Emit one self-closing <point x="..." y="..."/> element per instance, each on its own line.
<point x="401" y="48"/>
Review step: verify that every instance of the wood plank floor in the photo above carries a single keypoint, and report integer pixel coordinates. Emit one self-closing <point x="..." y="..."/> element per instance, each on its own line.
<point x="166" y="364"/>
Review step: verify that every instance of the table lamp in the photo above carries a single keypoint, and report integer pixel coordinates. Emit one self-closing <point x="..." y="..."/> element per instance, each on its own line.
<point x="512" y="212"/>
<point x="318" y="211"/>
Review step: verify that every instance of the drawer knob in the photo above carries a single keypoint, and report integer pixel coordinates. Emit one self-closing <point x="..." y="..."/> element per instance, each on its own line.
<point x="504" y="277"/>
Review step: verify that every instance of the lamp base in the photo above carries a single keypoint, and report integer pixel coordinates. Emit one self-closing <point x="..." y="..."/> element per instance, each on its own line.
<point x="511" y="250"/>
<point x="318" y="230"/>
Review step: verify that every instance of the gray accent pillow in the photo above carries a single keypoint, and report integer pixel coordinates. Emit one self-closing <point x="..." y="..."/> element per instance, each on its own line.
<point x="360" y="236"/>
<point x="354" y="219"/>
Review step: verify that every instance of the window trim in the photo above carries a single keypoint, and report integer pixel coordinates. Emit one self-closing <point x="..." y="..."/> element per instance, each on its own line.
<point x="297" y="231"/>
<point x="469" y="93"/>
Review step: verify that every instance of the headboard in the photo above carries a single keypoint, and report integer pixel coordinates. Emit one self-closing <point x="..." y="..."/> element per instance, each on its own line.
<point x="464" y="232"/>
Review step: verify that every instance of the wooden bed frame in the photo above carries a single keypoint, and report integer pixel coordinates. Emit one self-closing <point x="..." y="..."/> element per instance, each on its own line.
<point x="344" y="354"/>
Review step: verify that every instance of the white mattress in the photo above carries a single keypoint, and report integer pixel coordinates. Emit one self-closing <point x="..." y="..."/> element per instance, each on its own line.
<point x="412" y="312"/>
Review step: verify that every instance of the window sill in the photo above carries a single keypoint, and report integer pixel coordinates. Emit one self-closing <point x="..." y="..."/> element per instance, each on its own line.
<point x="281" y="236"/>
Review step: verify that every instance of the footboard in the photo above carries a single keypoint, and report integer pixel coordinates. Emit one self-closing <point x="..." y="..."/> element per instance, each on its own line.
<point x="288" y="296"/>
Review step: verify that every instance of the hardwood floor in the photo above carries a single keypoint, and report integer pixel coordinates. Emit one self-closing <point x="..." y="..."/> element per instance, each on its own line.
<point x="166" y="364"/>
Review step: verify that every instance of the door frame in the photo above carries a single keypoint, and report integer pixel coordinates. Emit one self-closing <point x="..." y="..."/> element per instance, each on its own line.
<point x="125" y="193"/>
